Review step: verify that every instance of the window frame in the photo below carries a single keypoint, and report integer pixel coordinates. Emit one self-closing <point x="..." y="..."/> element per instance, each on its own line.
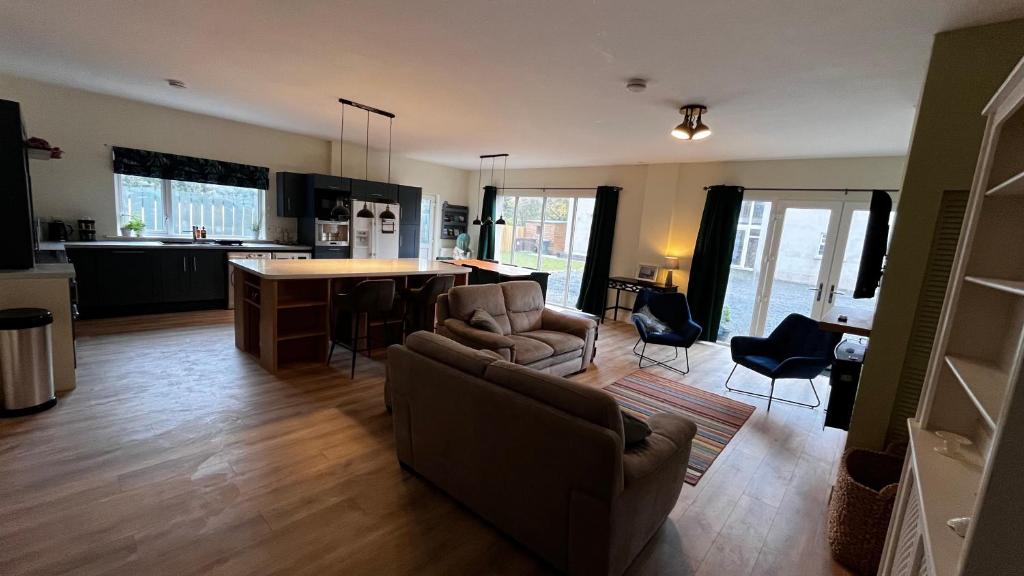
<point x="167" y="204"/>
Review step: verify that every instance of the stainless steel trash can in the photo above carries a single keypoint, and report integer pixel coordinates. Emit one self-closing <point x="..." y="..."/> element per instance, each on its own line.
<point x="26" y="361"/>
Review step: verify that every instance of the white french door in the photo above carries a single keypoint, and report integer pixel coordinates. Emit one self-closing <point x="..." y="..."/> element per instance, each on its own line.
<point x="793" y="256"/>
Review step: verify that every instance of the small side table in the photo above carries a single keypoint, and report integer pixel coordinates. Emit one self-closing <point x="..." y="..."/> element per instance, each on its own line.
<point x="621" y="284"/>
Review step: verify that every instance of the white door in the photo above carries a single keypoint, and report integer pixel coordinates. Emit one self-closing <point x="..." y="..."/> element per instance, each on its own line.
<point x="428" y="205"/>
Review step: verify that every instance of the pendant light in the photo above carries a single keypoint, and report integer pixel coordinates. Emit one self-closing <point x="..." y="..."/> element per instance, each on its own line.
<point x="693" y="126"/>
<point x="479" y="189"/>
<point x="365" y="211"/>
<point x="387" y="214"/>
<point x="504" y="167"/>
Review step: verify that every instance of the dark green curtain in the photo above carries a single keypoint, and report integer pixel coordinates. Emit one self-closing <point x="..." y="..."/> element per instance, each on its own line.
<point x="594" y="286"/>
<point x="188" y="169"/>
<point x="485" y="246"/>
<point x="712" y="257"/>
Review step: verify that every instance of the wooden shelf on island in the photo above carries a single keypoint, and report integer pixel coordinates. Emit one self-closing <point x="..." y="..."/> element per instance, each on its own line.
<point x="301" y="335"/>
<point x="300" y="304"/>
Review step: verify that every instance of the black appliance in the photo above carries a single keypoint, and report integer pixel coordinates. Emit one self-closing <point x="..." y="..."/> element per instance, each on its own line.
<point x="844" y="381"/>
<point x="17" y="234"/>
<point x="58" y="231"/>
<point x="876" y="242"/>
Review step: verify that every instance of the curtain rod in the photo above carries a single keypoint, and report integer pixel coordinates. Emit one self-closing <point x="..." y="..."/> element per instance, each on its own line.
<point x="544" y="188"/>
<point x="815" y="189"/>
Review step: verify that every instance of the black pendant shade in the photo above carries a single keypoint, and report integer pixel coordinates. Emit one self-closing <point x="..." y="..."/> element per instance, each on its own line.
<point x="364" y="212"/>
<point x="500" y="221"/>
<point x="476" y="221"/>
<point x="387" y="214"/>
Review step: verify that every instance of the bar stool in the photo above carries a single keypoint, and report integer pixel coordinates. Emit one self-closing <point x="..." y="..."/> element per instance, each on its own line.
<point x="369" y="297"/>
<point x="420" y="302"/>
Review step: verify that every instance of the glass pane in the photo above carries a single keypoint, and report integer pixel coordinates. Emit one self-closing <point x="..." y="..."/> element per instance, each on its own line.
<point x="426" y="230"/>
<point x="580" y="243"/>
<point x="503" y="234"/>
<point x="798" y="264"/>
<point x="526" y="245"/>
<point x="142" y="197"/>
<point x="744" y="277"/>
<point x="554" y="247"/>
<point x="225" y="211"/>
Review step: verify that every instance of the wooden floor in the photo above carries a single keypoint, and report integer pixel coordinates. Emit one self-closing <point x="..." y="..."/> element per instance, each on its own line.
<point x="178" y="455"/>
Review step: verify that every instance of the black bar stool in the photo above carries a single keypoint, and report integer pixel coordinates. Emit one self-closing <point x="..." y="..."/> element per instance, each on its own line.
<point x="420" y="302"/>
<point x="369" y="297"/>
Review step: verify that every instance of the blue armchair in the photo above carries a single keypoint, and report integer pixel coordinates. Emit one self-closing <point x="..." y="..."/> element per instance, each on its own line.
<point x="796" y="349"/>
<point x="664" y="319"/>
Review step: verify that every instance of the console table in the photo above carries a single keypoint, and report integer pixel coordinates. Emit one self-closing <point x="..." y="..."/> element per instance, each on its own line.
<point x="621" y="284"/>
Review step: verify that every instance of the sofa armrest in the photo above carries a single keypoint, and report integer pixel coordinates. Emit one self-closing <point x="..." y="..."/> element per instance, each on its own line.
<point x="559" y="322"/>
<point x="476" y="338"/>
<point x="670" y="434"/>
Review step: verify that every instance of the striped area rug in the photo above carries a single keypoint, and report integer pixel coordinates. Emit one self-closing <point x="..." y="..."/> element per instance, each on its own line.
<point x="718" y="418"/>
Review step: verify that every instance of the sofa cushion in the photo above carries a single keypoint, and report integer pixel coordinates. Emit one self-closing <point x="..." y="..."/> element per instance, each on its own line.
<point x="591" y="404"/>
<point x="634" y="429"/>
<point x="450" y="352"/>
<point x="484" y="321"/>
<point x="524" y="302"/>
<point x="464" y="300"/>
<point x="529" y="350"/>
<point x="560" y="342"/>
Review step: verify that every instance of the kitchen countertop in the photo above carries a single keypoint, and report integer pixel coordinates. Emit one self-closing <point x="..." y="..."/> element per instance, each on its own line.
<point x="40" y="272"/>
<point x="156" y="244"/>
<point x="340" y="268"/>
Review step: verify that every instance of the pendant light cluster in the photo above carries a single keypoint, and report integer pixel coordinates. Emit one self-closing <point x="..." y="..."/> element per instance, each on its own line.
<point x="479" y="199"/>
<point x="365" y="211"/>
<point x="693" y="126"/>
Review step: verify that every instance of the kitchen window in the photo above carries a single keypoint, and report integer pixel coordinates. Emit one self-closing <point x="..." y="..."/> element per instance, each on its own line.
<point x="172" y="207"/>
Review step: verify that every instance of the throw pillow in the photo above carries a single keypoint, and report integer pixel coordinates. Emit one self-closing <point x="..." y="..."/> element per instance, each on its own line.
<point x="635" y="429"/>
<point x="650" y="321"/>
<point x="484" y="321"/>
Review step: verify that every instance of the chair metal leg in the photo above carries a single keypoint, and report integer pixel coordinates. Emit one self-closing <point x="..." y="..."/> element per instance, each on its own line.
<point x="666" y="365"/>
<point x="771" y="394"/>
<point x="355" y="347"/>
<point x="331" y="353"/>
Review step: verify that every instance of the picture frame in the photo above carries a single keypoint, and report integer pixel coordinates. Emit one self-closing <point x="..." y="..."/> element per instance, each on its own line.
<point x="647" y="272"/>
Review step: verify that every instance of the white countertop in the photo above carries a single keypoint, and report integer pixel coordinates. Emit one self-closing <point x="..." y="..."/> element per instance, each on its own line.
<point x="155" y="244"/>
<point x="340" y="268"/>
<point x="40" y="272"/>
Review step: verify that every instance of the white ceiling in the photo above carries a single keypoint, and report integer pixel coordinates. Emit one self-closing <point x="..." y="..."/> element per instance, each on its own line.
<point x="540" y="79"/>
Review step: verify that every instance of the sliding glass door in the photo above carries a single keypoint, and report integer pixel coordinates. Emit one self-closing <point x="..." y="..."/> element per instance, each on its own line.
<point x="549" y="234"/>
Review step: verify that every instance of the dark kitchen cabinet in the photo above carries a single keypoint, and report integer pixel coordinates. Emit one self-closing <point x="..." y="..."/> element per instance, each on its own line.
<point x="408" y="241"/>
<point x="115" y="282"/>
<point x="367" y="191"/>
<point x="292" y="194"/>
<point x="409" y="198"/>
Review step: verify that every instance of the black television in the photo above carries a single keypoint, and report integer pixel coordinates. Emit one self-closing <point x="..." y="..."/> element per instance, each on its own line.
<point x="876" y="241"/>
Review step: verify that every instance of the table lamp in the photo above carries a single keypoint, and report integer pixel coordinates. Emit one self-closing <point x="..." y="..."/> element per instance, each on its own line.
<point x="671" y="263"/>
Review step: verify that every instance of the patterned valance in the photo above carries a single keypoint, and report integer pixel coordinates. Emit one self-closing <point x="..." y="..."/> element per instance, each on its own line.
<point x="186" y="168"/>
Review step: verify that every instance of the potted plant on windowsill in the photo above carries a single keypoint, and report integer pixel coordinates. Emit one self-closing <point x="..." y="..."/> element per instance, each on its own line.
<point x="135" y="226"/>
<point x="256" y="225"/>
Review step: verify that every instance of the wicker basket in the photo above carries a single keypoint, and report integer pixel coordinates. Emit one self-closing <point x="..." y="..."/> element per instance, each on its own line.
<point x="862" y="502"/>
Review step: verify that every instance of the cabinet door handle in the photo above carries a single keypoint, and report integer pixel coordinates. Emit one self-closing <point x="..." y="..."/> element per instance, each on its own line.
<point x="184" y="264"/>
<point x="194" y="263"/>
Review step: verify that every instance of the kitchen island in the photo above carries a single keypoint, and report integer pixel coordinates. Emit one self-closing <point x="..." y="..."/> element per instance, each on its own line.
<point x="283" y="307"/>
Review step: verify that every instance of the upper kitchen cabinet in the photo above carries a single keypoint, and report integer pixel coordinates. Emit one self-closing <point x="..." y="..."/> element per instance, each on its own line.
<point x="380" y="192"/>
<point x="292" y="194"/>
<point x="409" y="200"/>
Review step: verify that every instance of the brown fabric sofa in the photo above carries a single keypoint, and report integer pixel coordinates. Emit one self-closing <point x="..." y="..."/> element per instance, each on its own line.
<point x="540" y="457"/>
<point x="532" y="335"/>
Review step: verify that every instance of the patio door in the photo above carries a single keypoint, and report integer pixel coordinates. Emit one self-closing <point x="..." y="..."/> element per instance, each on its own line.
<point x="792" y="256"/>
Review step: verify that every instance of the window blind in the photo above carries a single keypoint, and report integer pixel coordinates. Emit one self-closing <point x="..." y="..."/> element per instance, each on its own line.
<point x="151" y="164"/>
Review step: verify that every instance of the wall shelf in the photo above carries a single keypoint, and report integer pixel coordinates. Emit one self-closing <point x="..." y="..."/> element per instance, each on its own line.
<point x="985" y="385"/>
<point x="1011" y="286"/>
<point x="1011" y="187"/>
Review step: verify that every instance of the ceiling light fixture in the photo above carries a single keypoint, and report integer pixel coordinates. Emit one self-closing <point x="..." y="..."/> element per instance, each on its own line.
<point x="480" y="188"/>
<point x="176" y="83"/>
<point x="692" y="126"/>
<point x="636" y="85"/>
<point x="365" y="211"/>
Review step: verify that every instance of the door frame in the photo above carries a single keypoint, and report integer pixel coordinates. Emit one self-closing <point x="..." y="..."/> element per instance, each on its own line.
<point x="435" y="224"/>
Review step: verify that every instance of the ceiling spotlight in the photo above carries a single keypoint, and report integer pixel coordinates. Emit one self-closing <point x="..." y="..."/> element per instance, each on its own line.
<point x="176" y="83"/>
<point x="693" y="126"/>
<point x="636" y="85"/>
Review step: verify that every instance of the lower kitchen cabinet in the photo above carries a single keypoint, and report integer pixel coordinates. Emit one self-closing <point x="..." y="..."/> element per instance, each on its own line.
<point x="113" y="282"/>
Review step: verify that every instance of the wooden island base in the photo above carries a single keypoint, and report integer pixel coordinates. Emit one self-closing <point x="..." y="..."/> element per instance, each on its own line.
<point x="283" y="307"/>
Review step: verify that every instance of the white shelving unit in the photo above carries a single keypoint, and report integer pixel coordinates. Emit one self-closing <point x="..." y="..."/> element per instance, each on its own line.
<point x="973" y="386"/>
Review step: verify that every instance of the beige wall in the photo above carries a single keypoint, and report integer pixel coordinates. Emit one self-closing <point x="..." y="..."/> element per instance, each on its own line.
<point x="86" y="124"/>
<point x="660" y="206"/>
<point x="967" y="66"/>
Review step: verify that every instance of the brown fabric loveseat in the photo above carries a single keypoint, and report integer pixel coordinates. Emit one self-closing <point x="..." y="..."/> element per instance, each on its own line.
<point x="532" y="335"/>
<point x="540" y="457"/>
